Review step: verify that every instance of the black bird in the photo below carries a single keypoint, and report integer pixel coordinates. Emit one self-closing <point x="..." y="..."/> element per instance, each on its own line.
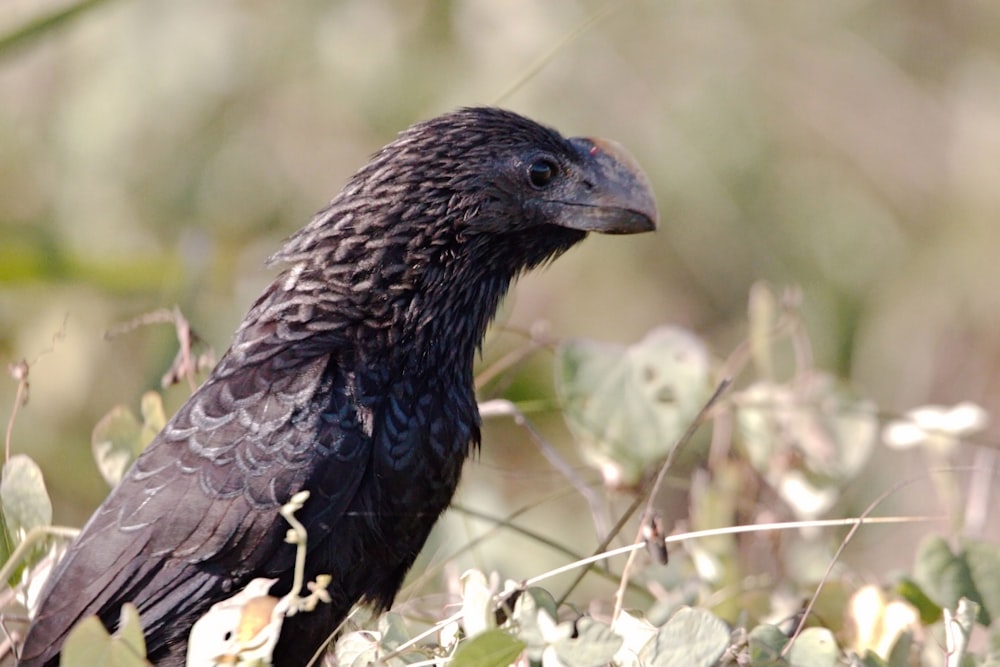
<point x="351" y="377"/>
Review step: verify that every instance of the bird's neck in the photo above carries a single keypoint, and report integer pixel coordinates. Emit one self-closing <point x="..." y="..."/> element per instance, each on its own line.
<point x="461" y="312"/>
<point x="425" y="312"/>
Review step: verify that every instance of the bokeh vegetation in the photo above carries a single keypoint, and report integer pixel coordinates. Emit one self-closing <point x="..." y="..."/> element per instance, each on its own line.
<point x="155" y="153"/>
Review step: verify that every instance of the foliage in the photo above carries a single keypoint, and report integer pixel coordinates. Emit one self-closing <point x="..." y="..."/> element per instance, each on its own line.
<point x="846" y="147"/>
<point x="628" y="405"/>
<point x="90" y="644"/>
<point x="805" y="427"/>
<point x="119" y="437"/>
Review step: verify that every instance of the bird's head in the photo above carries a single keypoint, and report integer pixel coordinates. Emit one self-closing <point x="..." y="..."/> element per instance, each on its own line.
<point x="430" y="233"/>
<point x="506" y="175"/>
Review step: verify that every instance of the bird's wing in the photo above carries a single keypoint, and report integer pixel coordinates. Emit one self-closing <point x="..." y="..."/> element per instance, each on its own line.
<point x="198" y="512"/>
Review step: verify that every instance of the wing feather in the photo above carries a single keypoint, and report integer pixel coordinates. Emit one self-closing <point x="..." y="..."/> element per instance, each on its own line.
<point x="197" y="516"/>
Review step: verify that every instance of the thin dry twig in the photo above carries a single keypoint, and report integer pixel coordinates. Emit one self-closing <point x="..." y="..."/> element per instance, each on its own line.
<point x="184" y="366"/>
<point x="648" y="513"/>
<point x="864" y="517"/>
<point x="539" y="64"/>
<point x="536" y="341"/>
<point x="503" y="408"/>
<point x="498" y="524"/>
<point x="643" y="496"/>
<point x="584" y="563"/>
<point x="20" y="371"/>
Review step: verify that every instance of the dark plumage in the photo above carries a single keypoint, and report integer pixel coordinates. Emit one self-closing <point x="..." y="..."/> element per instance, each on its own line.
<point x="351" y="377"/>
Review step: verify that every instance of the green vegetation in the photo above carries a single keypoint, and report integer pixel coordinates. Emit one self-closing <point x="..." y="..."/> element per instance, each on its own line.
<point x="155" y="153"/>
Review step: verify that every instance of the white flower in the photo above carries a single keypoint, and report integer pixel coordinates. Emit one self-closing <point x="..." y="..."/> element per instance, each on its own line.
<point x="808" y="500"/>
<point x="935" y="426"/>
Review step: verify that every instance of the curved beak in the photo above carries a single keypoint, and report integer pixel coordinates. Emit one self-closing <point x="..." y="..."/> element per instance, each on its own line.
<point x="610" y="193"/>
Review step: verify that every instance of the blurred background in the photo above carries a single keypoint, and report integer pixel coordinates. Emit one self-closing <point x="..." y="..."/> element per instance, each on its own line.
<point x="155" y="153"/>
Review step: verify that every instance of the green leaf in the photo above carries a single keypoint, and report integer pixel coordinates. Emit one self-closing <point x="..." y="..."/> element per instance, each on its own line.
<point x="691" y="638"/>
<point x="635" y="632"/>
<point x="116" y="441"/>
<point x="628" y="406"/>
<point x="542" y="599"/>
<point x="909" y="590"/>
<point x="7" y="546"/>
<point x="984" y="567"/>
<point x="130" y="629"/>
<point x="947" y="577"/>
<point x="594" y="644"/>
<point x="393" y="631"/>
<point x="766" y="644"/>
<point x="901" y="651"/>
<point x="26" y="503"/>
<point x="358" y="648"/>
<point x="959" y="629"/>
<point x="815" y="647"/>
<point x="813" y="423"/>
<point x="870" y="659"/>
<point x="153" y="418"/>
<point x="44" y="25"/>
<point x="119" y="437"/>
<point x="89" y="643"/>
<point x="493" y="648"/>
<point x="534" y="618"/>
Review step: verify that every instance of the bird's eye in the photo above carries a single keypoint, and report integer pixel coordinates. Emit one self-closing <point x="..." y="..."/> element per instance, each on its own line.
<point x="541" y="172"/>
